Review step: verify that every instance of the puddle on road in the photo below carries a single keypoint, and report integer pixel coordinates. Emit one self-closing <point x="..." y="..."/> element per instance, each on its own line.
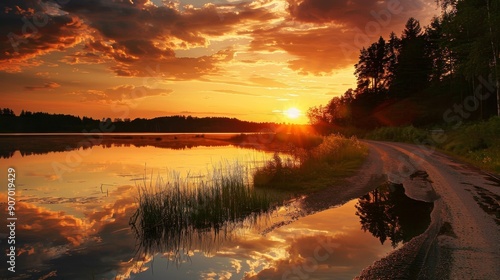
<point x="388" y="214"/>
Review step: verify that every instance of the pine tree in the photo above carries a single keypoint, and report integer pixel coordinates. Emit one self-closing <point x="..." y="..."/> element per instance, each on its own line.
<point x="413" y="67"/>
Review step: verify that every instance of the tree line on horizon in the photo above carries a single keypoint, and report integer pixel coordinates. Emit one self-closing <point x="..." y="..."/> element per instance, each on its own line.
<point x="439" y="73"/>
<point x="33" y="122"/>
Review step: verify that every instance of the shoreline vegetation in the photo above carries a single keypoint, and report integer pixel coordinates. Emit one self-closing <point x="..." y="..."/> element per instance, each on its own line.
<point x="477" y="143"/>
<point x="41" y="122"/>
<point x="314" y="168"/>
<point x="233" y="194"/>
<point x="268" y="141"/>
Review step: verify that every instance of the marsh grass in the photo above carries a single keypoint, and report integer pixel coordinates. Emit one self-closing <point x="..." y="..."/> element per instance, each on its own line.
<point x="311" y="170"/>
<point x="177" y="214"/>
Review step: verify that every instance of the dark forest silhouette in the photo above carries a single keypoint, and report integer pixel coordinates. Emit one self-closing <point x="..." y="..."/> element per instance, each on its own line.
<point x="38" y="122"/>
<point x="427" y="75"/>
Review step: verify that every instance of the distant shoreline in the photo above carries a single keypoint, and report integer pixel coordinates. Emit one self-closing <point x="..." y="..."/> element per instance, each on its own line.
<point x="2" y="134"/>
<point x="40" y="143"/>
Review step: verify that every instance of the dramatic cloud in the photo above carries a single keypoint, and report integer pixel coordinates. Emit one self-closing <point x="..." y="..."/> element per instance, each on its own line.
<point x="132" y="37"/>
<point x="327" y="35"/>
<point x="140" y="36"/>
<point x="350" y="12"/>
<point x="33" y="28"/>
<point x="320" y="256"/>
<point x="184" y="68"/>
<point x="319" y="57"/>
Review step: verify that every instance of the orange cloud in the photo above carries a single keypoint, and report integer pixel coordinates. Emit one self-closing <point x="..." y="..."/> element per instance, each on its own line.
<point x="32" y="29"/>
<point x="327" y="35"/>
<point x="183" y="68"/>
<point x="136" y="37"/>
<point x="321" y="256"/>
<point x="121" y="93"/>
<point x="351" y="12"/>
<point x="133" y="37"/>
<point x="49" y="85"/>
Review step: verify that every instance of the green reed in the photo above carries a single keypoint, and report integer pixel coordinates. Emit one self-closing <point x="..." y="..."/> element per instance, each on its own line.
<point x="173" y="210"/>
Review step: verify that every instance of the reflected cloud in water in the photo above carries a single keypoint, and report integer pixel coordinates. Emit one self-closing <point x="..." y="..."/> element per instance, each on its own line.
<point x="55" y="243"/>
<point x="78" y="227"/>
<point x="321" y="246"/>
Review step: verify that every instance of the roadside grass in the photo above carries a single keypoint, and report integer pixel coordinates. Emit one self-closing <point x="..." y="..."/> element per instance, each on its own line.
<point x="409" y="134"/>
<point x="477" y="143"/>
<point x="311" y="170"/>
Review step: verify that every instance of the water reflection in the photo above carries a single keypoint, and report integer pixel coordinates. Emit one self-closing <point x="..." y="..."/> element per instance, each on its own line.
<point x="76" y="226"/>
<point x="325" y="245"/>
<point x="63" y="143"/>
<point x="183" y="213"/>
<point x="388" y="213"/>
<point x="177" y="245"/>
<point x="57" y="245"/>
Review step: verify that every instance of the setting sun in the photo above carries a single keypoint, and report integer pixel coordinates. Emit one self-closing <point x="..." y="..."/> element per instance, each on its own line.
<point x="292" y="113"/>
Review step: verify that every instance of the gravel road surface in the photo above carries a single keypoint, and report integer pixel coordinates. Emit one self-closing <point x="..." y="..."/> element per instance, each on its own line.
<point x="463" y="240"/>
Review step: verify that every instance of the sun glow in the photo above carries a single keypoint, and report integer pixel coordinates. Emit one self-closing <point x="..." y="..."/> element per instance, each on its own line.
<point x="292" y="113"/>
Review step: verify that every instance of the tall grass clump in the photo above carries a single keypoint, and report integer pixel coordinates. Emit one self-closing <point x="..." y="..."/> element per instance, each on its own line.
<point x="310" y="170"/>
<point x="174" y="210"/>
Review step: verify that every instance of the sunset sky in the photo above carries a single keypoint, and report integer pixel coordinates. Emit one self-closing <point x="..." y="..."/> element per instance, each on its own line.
<point x="252" y="60"/>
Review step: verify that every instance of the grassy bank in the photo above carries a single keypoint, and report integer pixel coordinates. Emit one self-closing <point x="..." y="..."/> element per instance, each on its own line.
<point x="477" y="142"/>
<point x="277" y="141"/>
<point x="314" y="169"/>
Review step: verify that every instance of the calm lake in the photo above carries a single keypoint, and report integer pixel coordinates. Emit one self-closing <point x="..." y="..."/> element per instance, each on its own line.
<point x="74" y="206"/>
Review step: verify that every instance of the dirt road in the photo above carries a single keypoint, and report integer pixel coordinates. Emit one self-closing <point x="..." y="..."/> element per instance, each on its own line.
<point x="463" y="240"/>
